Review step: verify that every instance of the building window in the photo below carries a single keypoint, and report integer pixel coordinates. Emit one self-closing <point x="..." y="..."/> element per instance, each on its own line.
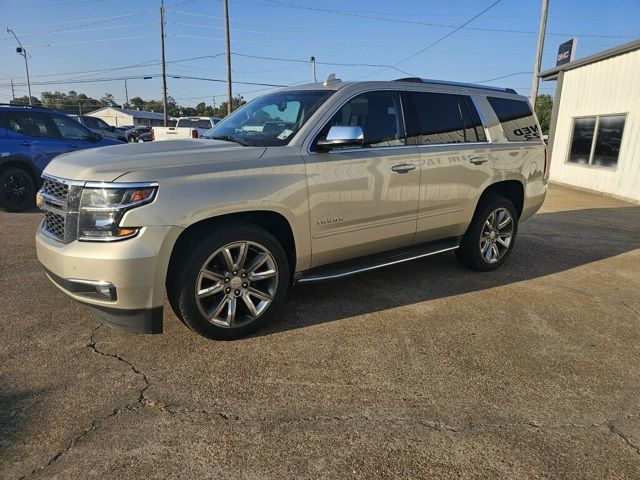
<point x="596" y="140"/>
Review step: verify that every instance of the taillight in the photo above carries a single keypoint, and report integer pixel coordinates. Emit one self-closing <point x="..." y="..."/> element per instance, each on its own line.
<point x="194" y="133"/>
<point x="153" y="134"/>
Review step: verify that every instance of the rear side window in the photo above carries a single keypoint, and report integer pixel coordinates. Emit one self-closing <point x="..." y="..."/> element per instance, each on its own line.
<point x="436" y="118"/>
<point x="33" y="124"/>
<point x="517" y="120"/>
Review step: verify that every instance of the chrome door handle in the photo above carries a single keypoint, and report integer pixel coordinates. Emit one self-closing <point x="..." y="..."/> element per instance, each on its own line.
<point x="478" y="160"/>
<point x="73" y="145"/>
<point x="403" y="168"/>
<point x="26" y="143"/>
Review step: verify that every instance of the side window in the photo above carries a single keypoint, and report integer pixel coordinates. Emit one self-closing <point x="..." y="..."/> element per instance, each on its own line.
<point x="596" y="140"/>
<point x="472" y="123"/>
<point x="517" y="120"/>
<point x="379" y="115"/>
<point x="33" y="124"/>
<point x="436" y="118"/>
<point x="70" y="129"/>
<point x="90" y="122"/>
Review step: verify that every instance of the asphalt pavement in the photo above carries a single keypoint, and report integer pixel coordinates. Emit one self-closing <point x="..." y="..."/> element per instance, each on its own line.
<point x="420" y="370"/>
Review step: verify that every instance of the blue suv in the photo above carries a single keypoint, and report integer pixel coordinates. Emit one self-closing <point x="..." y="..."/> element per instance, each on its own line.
<point x="29" y="138"/>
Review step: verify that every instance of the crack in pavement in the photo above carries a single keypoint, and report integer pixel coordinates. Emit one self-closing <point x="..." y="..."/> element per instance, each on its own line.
<point x="142" y="400"/>
<point x="436" y="425"/>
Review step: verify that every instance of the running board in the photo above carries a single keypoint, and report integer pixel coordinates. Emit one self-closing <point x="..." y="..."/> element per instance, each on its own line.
<point x="379" y="260"/>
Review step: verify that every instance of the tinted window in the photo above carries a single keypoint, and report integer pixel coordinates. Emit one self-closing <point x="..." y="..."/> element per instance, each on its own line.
<point x="34" y="124"/>
<point x="91" y="122"/>
<point x="608" y="139"/>
<point x="436" y="118"/>
<point x="203" y="124"/>
<point x="70" y="129"/>
<point x="517" y="120"/>
<point x="378" y="113"/>
<point x="582" y="139"/>
<point x="606" y="131"/>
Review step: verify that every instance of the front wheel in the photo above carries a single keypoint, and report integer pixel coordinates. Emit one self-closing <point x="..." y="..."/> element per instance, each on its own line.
<point x="491" y="235"/>
<point x="231" y="282"/>
<point x="17" y="190"/>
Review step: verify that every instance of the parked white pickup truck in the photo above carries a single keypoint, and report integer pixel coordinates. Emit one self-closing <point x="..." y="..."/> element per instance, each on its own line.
<point x="187" y="127"/>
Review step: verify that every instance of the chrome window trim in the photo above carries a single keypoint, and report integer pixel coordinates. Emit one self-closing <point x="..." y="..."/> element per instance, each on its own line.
<point x="66" y="181"/>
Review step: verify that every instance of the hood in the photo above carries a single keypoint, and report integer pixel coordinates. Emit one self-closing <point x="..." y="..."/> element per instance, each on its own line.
<point x="105" y="164"/>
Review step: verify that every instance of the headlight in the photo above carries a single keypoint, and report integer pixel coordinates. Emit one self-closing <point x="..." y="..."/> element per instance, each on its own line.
<point x="102" y="207"/>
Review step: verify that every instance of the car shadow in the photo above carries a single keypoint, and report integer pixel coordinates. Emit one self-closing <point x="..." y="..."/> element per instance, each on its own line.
<point x="548" y="243"/>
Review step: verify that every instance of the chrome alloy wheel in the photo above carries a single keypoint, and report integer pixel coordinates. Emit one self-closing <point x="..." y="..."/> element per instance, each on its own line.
<point x="496" y="235"/>
<point x="236" y="284"/>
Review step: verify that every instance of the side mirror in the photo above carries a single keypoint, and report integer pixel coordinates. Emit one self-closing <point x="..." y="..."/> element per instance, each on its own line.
<point x="94" y="137"/>
<point x="342" y="137"/>
<point x="112" y="128"/>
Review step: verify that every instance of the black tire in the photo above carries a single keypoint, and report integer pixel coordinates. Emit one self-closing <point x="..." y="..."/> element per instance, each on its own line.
<point x="17" y="190"/>
<point x="470" y="251"/>
<point x="181" y="287"/>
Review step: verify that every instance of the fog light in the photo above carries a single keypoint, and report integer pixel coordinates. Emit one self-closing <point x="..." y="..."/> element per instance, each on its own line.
<point x="104" y="290"/>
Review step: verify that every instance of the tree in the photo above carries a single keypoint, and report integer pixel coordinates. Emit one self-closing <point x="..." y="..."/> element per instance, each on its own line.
<point x="24" y="100"/>
<point x="237" y="102"/>
<point x="108" y="101"/>
<point x="544" y="105"/>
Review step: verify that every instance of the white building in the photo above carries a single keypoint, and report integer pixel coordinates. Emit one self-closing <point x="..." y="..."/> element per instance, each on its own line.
<point x="594" y="137"/>
<point x="119" y="117"/>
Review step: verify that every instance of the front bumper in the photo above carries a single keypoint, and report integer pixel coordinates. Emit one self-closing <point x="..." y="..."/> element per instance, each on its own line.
<point x="133" y="270"/>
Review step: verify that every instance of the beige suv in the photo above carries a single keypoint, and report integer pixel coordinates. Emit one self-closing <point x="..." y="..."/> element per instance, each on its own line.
<point x="306" y="184"/>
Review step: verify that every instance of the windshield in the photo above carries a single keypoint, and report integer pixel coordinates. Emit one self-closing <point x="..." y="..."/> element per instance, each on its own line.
<point x="270" y="120"/>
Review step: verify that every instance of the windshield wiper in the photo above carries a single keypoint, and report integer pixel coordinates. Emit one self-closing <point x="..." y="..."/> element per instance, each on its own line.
<point x="229" y="138"/>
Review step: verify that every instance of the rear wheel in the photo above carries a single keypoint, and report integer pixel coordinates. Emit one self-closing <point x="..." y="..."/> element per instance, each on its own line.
<point x="491" y="235"/>
<point x="231" y="282"/>
<point x="17" y="190"/>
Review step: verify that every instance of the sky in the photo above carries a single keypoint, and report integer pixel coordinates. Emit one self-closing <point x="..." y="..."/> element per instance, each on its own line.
<point x="111" y="39"/>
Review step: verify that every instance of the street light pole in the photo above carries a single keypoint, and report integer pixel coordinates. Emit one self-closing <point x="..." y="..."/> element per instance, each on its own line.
<point x="21" y="51"/>
<point x="225" y="7"/>
<point x="164" y="68"/>
<point x="536" y="67"/>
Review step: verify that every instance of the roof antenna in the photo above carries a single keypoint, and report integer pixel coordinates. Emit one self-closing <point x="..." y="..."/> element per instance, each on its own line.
<point x="331" y="79"/>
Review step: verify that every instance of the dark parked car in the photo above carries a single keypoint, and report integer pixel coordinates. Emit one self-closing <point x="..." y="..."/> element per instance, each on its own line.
<point x="97" y="125"/>
<point x="134" y="133"/>
<point x="145" y="137"/>
<point x="29" y="138"/>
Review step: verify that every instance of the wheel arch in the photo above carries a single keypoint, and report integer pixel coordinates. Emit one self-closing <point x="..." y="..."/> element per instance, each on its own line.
<point x="275" y="223"/>
<point x="511" y="189"/>
<point x="23" y="163"/>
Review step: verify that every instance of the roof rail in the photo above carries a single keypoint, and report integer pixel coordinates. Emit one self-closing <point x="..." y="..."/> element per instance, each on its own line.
<point x="21" y="105"/>
<point x="455" y="84"/>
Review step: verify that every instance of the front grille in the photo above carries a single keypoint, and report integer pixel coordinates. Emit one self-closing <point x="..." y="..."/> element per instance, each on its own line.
<point x="54" y="223"/>
<point x="58" y="190"/>
<point x="60" y="199"/>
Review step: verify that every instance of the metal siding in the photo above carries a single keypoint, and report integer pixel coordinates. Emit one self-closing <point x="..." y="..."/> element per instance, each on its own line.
<point x="605" y="87"/>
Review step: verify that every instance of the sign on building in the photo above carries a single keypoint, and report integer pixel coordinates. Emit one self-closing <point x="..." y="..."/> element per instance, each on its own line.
<point x="566" y="52"/>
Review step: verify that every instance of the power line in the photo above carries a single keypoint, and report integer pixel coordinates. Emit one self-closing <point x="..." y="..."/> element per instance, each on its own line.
<point x="504" y="76"/>
<point x="82" y="42"/>
<point x="427" y="24"/>
<point x="92" y="21"/>
<point x="433" y="44"/>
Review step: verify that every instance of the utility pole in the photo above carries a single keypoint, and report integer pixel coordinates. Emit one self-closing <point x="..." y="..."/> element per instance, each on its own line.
<point x="164" y="69"/>
<point x="126" y="92"/>
<point x="313" y="68"/>
<point x="21" y="51"/>
<point x="536" y="67"/>
<point x="13" y="94"/>
<point x="225" y="6"/>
